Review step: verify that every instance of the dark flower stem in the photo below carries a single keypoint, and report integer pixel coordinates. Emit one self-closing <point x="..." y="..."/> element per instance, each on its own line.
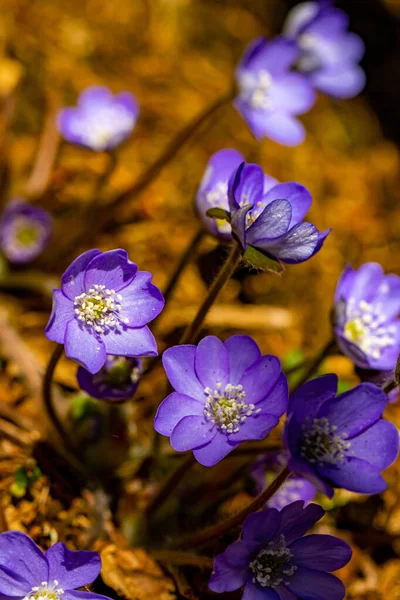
<point x="185" y="258"/>
<point x="226" y="272"/>
<point x="182" y="559"/>
<point x="48" y="396"/>
<point x="390" y="386"/>
<point x="220" y="529"/>
<point x="169" y="485"/>
<point x="314" y="364"/>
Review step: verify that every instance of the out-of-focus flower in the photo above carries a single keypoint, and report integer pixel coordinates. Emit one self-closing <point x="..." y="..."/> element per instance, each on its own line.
<point x="213" y="190"/>
<point x="103" y="307"/>
<point x="225" y="393"/>
<point x="27" y="572"/>
<point x="25" y="231"/>
<point x="116" y="381"/>
<point x="270" y="96"/>
<point x="330" y="55"/>
<point x="271" y="222"/>
<point x="100" y="121"/>
<point x="294" y="488"/>
<point x="340" y="441"/>
<point x="367" y="327"/>
<point x="275" y="562"/>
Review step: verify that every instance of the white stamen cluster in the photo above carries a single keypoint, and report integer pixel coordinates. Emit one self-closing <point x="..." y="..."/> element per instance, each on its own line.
<point x="255" y="88"/>
<point x="226" y="408"/>
<point x="365" y="326"/>
<point x="99" y="308"/>
<point x="254" y="213"/>
<point x="309" y="59"/>
<point x="272" y="565"/>
<point x="45" y="592"/>
<point x="218" y="195"/>
<point x="321" y="444"/>
<point x="290" y="491"/>
<point x="103" y="124"/>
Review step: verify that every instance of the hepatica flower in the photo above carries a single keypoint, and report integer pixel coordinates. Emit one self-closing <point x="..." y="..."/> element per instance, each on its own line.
<point x="213" y="190"/>
<point x="25" y="231"/>
<point x="270" y="95"/>
<point x="225" y="393"/>
<point x="103" y="307"/>
<point x="273" y="561"/>
<point x="294" y="488"/>
<point x="116" y="381"/>
<point x="329" y="54"/>
<point x="27" y="573"/>
<point x="100" y="121"/>
<point x="340" y="441"/>
<point x="272" y="222"/>
<point x="367" y="327"/>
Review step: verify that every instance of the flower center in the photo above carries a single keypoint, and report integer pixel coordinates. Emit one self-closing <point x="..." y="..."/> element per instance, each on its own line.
<point x="309" y="59"/>
<point x="45" y="592"/>
<point x="272" y="565"/>
<point x="26" y="233"/>
<point x="321" y="444"/>
<point x="255" y="89"/>
<point x="101" y="125"/>
<point x="365" y="327"/>
<point x="99" y="308"/>
<point x="226" y="408"/>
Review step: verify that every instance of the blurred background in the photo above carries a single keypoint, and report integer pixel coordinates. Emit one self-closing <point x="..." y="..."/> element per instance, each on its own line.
<point x="177" y="57"/>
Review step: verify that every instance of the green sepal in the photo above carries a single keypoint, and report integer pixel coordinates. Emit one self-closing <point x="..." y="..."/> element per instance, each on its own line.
<point x="261" y="261"/>
<point x="219" y="213"/>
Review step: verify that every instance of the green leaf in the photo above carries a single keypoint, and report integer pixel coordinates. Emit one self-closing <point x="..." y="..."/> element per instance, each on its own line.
<point x="219" y="213"/>
<point x="261" y="261"/>
<point x="20" y="477"/>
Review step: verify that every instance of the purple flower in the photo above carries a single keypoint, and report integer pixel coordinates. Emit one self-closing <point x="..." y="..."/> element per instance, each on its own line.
<point x="25" y="231"/>
<point x="367" y="304"/>
<point x="270" y="96"/>
<point x="271" y="222"/>
<point x="379" y="378"/>
<point x="102" y="308"/>
<point x="225" y="393"/>
<point x="28" y="573"/>
<point x="101" y="121"/>
<point x="116" y="381"/>
<point x="340" y="441"/>
<point x="329" y="54"/>
<point x="273" y="561"/>
<point x="295" y="487"/>
<point x="213" y="190"/>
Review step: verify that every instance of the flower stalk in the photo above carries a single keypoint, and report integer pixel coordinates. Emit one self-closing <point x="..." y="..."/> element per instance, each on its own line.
<point x="226" y="272"/>
<point x="48" y="396"/>
<point x="220" y="529"/>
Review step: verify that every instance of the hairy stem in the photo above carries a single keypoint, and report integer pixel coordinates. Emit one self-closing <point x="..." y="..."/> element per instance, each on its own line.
<point x="48" y="396"/>
<point x="226" y="272"/>
<point x="220" y="529"/>
<point x="168" y="486"/>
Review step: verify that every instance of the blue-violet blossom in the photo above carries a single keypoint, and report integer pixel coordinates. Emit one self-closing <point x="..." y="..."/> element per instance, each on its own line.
<point x="225" y="393"/>
<point x="270" y="96"/>
<point x="296" y="487"/>
<point x="271" y="222"/>
<point x="25" y="231"/>
<point x="103" y="307"/>
<point x="329" y="54"/>
<point x="100" y="121"/>
<point x="27" y="573"/>
<point x="340" y="441"/>
<point x="367" y="327"/>
<point x="116" y="381"/>
<point x="273" y="561"/>
<point x="213" y="190"/>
